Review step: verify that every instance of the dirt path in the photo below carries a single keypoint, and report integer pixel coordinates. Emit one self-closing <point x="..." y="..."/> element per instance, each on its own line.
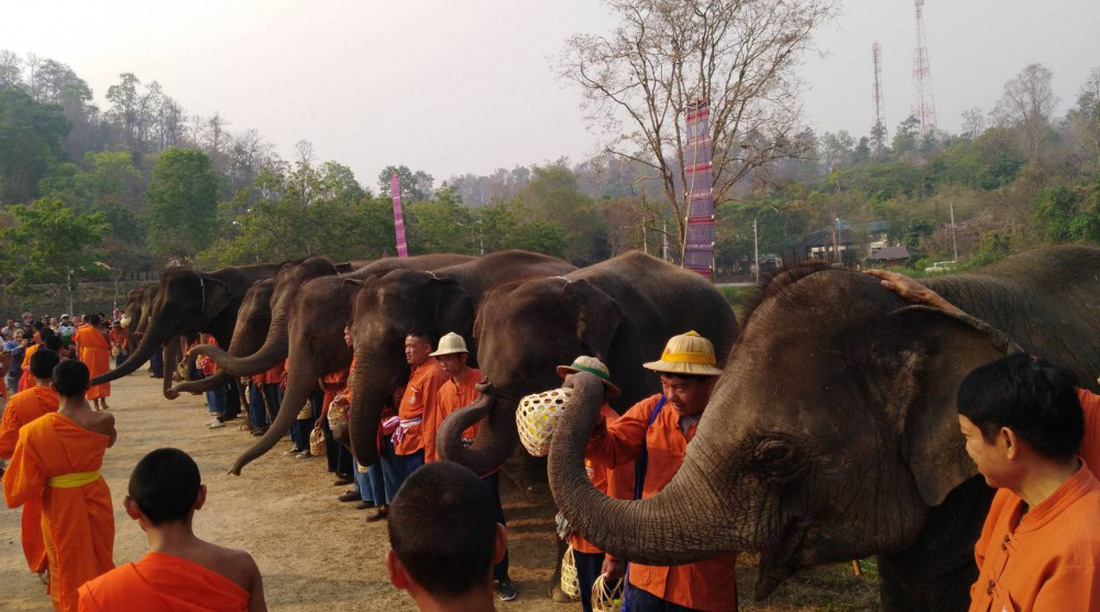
<point x="315" y="553"/>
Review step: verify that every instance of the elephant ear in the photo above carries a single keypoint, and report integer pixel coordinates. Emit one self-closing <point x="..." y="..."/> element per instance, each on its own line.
<point x="343" y="268"/>
<point x="598" y="317"/>
<point x="216" y="296"/>
<point x="454" y="309"/>
<point x="940" y="350"/>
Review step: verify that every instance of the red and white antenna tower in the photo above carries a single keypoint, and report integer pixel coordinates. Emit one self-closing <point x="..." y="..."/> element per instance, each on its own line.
<point x="878" y="130"/>
<point x="924" y="105"/>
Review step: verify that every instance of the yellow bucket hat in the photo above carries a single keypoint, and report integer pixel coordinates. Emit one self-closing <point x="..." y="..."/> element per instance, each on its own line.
<point x="687" y="353"/>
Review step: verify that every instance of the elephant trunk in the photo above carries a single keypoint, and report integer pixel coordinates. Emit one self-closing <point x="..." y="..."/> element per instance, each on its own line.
<point x="195" y="387"/>
<point x="373" y="381"/>
<point x="150" y="342"/>
<point x="270" y="354"/>
<point x="300" y="382"/>
<point x="173" y="351"/>
<point x="681" y="524"/>
<point x="495" y="438"/>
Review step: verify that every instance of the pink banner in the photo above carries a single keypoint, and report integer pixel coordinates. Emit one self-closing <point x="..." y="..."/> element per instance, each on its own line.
<point x="398" y="218"/>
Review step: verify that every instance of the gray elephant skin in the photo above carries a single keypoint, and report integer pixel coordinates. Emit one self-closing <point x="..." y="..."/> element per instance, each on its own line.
<point x="833" y="433"/>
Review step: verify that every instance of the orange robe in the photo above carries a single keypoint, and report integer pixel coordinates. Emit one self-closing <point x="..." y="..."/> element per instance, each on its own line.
<point x="709" y="585"/>
<point x="78" y="524"/>
<point x="95" y="352"/>
<point x="618" y="482"/>
<point x="26" y="380"/>
<point x="421" y="397"/>
<point x="23" y="408"/>
<point x="1045" y="558"/>
<point x="163" y="582"/>
<point x="451" y="398"/>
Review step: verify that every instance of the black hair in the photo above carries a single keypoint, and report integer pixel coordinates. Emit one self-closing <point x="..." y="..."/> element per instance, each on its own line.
<point x="93" y="319"/>
<point x="1032" y="397"/>
<point x="43" y="361"/>
<point x="696" y="377"/>
<point x="38" y="325"/>
<point x="46" y="332"/>
<point x="51" y="342"/>
<point x="442" y="528"/>
<point x="165" y="485"/>
<point x="71" y="378"/>
<point x="419" y="332"/>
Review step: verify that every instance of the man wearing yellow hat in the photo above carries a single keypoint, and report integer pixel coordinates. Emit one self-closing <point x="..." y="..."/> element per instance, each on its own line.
<point x="656" y="432"/>
<point x="461" y="390"/>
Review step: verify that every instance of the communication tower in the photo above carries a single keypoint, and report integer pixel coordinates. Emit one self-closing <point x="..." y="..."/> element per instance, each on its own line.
<point x="924" y="105"/>
<point x="878" y="130"/>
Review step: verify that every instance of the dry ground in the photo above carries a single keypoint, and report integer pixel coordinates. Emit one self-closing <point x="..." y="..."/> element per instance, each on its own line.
<point x="315" y="553"/>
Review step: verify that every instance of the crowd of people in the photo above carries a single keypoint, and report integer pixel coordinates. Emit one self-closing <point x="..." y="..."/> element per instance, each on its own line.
<point x="1029" y="429"/>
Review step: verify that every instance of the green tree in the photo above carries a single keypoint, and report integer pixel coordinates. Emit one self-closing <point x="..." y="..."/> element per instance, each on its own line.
<point x="441" y="225"/>
<point x="541" y="236"/>
<point x="415" y="186"/>
<point x="52" y="245"/>
<point x="32" y="137"/>
<point x="552" y="195"/>
<point x="181" y="204"/>
<point x="1070" y="215"/>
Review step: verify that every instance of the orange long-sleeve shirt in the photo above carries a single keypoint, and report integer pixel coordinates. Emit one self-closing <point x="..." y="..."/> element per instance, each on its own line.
<point x="451" y="397"/>
<point x="421" y="397"/>
<point x="161" y="582"/>
<point x="78" y="524"/>
<point x="709" y="585"/>
<point x="1090" y="444"/>
<point x="618" y="482"/>
<point x="1042" y="559"/>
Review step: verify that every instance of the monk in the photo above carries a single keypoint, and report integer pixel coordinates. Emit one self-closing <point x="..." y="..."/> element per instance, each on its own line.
<point x="94" y="349"/>
<point x="57" y="461"/>
<point x="23" y="408"/>
<point x="26" y="380"/>
<point x="180" y="572"/>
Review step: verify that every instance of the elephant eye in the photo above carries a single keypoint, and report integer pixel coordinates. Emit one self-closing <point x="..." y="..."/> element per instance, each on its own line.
<point x="776" y="456"/>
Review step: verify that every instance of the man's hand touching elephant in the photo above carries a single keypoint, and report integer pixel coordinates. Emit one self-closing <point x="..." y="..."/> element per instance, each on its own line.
<point x="912" y="291"/>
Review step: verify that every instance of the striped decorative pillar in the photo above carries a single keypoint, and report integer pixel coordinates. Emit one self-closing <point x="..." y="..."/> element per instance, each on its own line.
<point x="398" y="218"/>
<point x="699" y="173"/>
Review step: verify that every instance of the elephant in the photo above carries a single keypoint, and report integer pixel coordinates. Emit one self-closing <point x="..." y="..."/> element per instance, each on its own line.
<point x="833" y="432"/>
<point x="188" y="302"/>
<point x="316" y="320"/>
<point x="444" y="301"/>
<point x="618" y="310"/>
<point x="148" y="296"/>
<point x="271" y="328"/>
<point x="253" y="319"/>
<point x="131" y="313"/>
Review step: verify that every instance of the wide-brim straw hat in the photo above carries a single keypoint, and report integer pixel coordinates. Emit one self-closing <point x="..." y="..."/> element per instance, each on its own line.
<point x="450" y="344"/>
<point x="593" y="366"/>
<point x="687" y="353"/>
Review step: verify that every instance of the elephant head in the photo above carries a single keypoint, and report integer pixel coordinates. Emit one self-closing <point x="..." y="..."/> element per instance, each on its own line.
<point x="288" y="280"/>
<point x="131" y="314"/>
<point x="253" y="319"/>
<point x="831" y="435"/>
<point x="185" y="301"/>
<point x="386" y="309"/>
<point x="523" y="330"/>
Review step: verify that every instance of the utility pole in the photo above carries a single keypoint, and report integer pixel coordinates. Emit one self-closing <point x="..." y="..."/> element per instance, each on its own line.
<point x="756" y="249"/>
<point x="954" y="245"/>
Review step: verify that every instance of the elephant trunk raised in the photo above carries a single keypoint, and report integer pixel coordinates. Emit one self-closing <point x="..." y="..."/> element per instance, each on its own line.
<point x="273" y="351"/>
<point x="495" y="438"/>
<point x="301" y="379"/>
<point x="683" y="523"/>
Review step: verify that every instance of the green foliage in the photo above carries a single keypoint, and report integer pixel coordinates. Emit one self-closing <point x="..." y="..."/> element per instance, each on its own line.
<point x="181" y="202"/>
<point x="50" y="243"/>
<point x="440" y="225"/>
<point x="554" y="198"/>
<point x="1070" y="215"/>
<point x="546" y="237"/>
<point x="31" y="139"/>
<point x="415" y="186"/>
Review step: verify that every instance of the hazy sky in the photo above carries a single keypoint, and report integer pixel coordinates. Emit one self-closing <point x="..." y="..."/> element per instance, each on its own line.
<point x="465" y="86"/>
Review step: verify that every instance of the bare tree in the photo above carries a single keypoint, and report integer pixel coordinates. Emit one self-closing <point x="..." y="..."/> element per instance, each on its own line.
<point x="1084" y="122"/>
<point x="11" y="68"/>
<point x="973" y="122"/>
<point x="1027" y="105"/>
<point x="739" y="55"/>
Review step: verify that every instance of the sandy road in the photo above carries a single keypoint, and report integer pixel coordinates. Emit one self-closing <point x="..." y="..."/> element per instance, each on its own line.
<point x="315" y="553"/>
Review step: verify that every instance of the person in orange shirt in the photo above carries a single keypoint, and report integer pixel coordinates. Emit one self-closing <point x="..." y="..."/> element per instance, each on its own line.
<point x="656" y="432"/>
<point x="57" y="460"/>
<point x="23" y="408"/>
<point x="1039" y="549"/>
<point x="94" y="349"/>
<point x="617" y="482"/>
<point x="421" y="399"/>
<point x="180" y="571"/>
<point x="26" y="380"/>
<point x="120" y="344"/>
<point x="461" y="390"/>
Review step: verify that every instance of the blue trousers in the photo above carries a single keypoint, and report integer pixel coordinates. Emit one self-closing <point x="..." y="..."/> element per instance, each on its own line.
<point x="215" y="401"/>
<point x="256" y="406"/>
<point x="391" y="470"/>
<point x="274" y="394"/>
<point x="156" y="363"/>
<point x="406" y="465"/>
<point x="588" y="569"/>
<point x="644" y="601"/>
<point x="371" y="486"/>
<point x="500" y="570"/>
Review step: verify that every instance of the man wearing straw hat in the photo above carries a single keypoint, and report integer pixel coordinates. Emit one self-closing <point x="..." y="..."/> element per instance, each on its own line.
<point x="656" y="432"/>
<point x="461" y="390"/>
<point x="617" y="482"/>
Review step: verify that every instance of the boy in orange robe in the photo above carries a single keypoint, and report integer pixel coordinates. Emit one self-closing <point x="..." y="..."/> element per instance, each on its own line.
<point x="23" y="408"/>
<point x="180" y="572"/>
<point x="95" y="352"/>
<point x="1039" y="549"/>
<point x="57" y="461"/>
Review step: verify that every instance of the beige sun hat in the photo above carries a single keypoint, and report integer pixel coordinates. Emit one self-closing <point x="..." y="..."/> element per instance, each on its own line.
<point x="593" y="366"/>
<point x="450" y="344"/>
<point x="687" y="353"/>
